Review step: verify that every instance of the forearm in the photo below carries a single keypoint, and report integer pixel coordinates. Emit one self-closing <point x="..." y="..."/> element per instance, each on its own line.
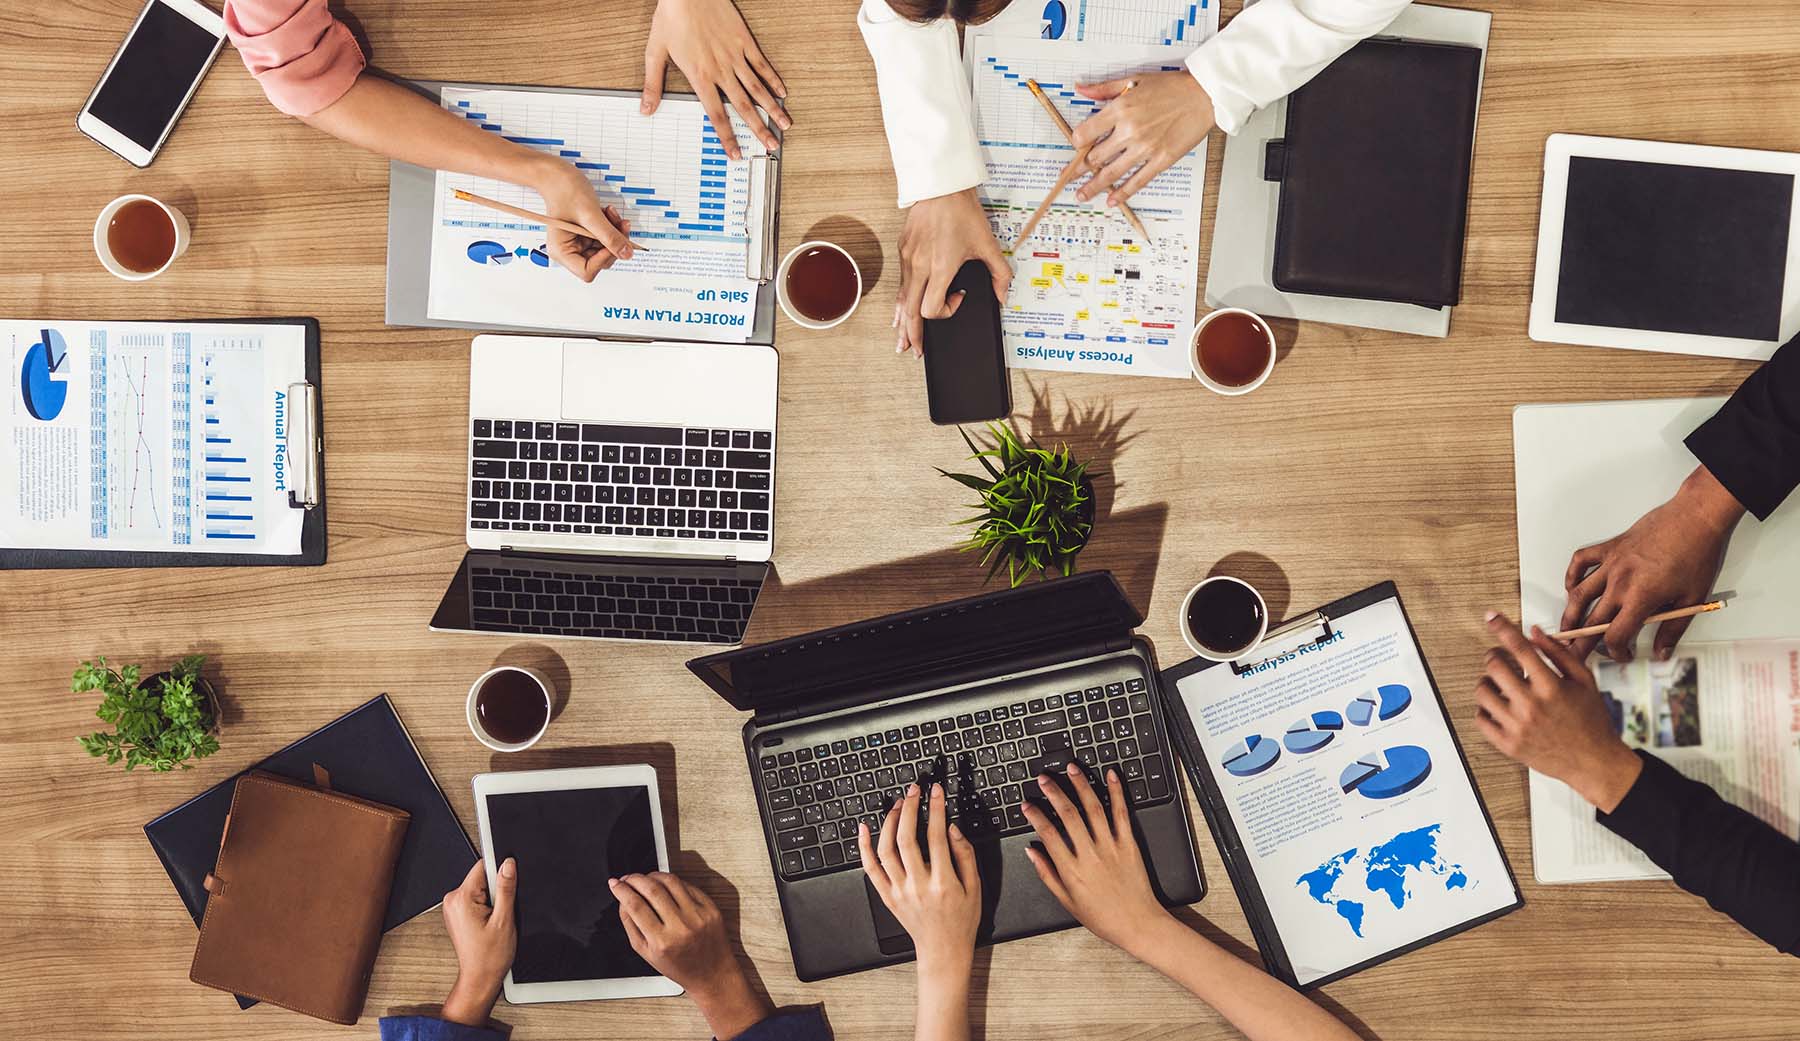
<point x="943" y="1013"/>
<point x="393" y="121"/>
<point x="731" y="1006"/>
<point x="1752" y="446"/>
<point x="926" y="105"/>
<point x="1257" y="1004"/>
<point x="471" y="1003"/>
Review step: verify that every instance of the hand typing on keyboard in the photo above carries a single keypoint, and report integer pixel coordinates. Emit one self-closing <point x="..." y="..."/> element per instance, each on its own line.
<point x="936" y="894"/>
<point x="1097" y="872"/>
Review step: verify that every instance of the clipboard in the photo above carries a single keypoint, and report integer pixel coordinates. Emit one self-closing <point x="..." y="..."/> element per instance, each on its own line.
<point x="412" y="196"/>
<point x="306" y="445"/>
<point x="1313" y="628"/>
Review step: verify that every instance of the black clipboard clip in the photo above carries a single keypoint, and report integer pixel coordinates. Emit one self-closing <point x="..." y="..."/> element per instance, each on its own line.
<point x="305" y="447"/>
<point x="1303" y="624"/>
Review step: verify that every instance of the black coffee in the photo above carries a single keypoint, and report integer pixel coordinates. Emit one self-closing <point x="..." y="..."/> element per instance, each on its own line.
<point x="1225" y="617"/>
<point x="511" y="707"/>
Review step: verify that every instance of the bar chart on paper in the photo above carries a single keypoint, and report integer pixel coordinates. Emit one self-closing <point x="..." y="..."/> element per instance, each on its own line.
<point x="668" y="175"/>
<point x="1089" y="293"/>
<point x="1166" y="22"/>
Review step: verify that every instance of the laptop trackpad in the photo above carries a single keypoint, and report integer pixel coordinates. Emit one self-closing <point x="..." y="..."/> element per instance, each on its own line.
<point x="888" y="930"/>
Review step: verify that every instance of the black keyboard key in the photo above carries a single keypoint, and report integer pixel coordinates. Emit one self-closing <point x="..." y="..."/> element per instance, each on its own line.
<point x="754" y="500"/>
<point x="1046" y="722"/>
<point x="753" y="481"/>
<point x="641" y="435"/>
<point x="1134" y="684"/>
<point x="509" y="511"/>
<point x="485" y="510"/>
<point x="1155" y="775"/>
<point x="517" y="471"/>
<point x="763" y="440"/>
<point x="1138" y="791"/>
<point x="834" y="855"/>
<point x="1146" y="734"/>
<point x="740" y="439"/>
<point x="812" y="858"/>
<point x="715" y="458"/>
<point x="496" y="449"/>
<point x="721" y="438"/>
<point x="485" y="428"/>
<point x="568" y="432"/>
<point x="491" y="469"/>
<point x="792" y="863"/>
<point x="746" y="460"/>
<point x="545" y="431"/>
<point x="787" y="820"/>
<point x="503" y="428"/>
<point x="781" y="800"/>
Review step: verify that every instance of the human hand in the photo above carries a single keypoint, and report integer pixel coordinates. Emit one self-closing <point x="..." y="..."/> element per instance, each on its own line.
<point x="1539" y="705"/>
<point x="713" y="48"/>
<point x="1097" y="873"/>
<point x="484" y="937"/>
<point x="569" y="195"/>
<point x="939" y="235"/>
<point x="1149" y="121"/>
<point x="938" y="901"/>
<point x="679" y="931"/>
<point x="1668" y="559"/>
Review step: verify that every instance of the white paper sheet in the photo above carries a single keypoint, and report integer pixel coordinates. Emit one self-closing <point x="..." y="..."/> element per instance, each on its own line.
<point x="148" y="437"/>
<point x="666" y="173"/>
<point x="1088" y="294"/>
<point x="1188" y="23"/>
<point x="1348" y="795"/>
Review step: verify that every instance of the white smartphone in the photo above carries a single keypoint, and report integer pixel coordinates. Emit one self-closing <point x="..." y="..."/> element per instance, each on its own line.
<point x="152" y="78"/>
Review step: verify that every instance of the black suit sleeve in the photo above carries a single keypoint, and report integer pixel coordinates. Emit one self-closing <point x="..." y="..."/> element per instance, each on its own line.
<point x="1742" y="867"/>
<point x="1753" y="444"/>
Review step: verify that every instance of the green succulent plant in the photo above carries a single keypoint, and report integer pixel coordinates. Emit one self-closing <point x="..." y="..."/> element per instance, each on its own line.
<point x="1036" y="507"/>
<point x="160" y="729"/>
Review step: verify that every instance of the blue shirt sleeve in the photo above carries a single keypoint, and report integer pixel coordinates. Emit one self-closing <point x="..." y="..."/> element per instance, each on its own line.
<point x="427" y="1028"/>
<point x="799" y="1024"/>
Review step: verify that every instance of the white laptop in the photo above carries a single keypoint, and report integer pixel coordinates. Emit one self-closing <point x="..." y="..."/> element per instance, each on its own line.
<point x="616" y="490"/>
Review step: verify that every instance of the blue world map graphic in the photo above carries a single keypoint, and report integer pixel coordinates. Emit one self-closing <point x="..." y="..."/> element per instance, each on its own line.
<point x="1386" y="870"/>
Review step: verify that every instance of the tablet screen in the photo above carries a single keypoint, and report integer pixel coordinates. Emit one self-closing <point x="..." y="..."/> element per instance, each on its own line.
<point x="568" y="843"/>
<point x="1676" y="249"/>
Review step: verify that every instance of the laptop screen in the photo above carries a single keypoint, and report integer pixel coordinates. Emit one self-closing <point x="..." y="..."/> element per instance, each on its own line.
<point x="601" y="598"/>
<point x="914" y="646"/>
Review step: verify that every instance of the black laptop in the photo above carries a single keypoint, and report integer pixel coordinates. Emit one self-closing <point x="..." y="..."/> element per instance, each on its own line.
<point x="982" y="694"/>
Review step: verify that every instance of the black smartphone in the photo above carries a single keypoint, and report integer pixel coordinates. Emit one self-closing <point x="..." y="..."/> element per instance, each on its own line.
<point x="965" y="363"/>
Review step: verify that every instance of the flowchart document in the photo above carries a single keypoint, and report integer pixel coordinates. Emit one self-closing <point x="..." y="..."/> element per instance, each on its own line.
<point x="149" y="437"/>
<point x="1089" y="294"/>
<point x="1351" y="802"/>
<point x="1725" y="714"/>
<point x="667" y="174"/>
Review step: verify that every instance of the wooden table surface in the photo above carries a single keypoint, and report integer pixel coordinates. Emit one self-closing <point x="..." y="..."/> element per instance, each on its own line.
<point x="1368" y="456"/>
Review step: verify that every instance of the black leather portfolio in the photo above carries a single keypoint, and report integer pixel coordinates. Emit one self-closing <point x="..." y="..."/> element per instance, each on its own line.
<point x="365" y="753"/>
<point x="1374" y="174"/>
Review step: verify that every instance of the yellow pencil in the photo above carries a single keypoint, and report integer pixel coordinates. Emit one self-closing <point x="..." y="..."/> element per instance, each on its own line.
<point x="1684" y="612"/>
<point x="1082" y="153"/>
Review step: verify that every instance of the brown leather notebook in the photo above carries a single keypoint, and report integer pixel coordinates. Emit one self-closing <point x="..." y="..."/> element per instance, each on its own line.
<point x="296" y="900"/>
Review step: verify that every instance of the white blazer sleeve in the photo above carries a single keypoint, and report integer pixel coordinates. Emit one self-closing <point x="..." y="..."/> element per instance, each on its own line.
<point x="1274" y="46"/>
<point x="925" y="103"/>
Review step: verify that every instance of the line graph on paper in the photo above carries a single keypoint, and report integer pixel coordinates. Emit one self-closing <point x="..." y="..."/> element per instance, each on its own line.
<point x="138" y="493"/>
<point x="668" y="174"/>
<point x="133" y="437"/>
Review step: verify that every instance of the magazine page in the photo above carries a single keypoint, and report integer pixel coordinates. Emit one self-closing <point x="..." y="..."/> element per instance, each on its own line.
<point x="1725" y="714"/>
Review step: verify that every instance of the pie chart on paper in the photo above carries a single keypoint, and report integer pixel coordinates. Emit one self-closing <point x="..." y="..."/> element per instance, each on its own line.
<point x="1313" y="732"/>
<point x="44" y="378"/>
<point x="1384" y="703"/>
<point x="1251" y="756"/>
<point x="1388" y="774"/>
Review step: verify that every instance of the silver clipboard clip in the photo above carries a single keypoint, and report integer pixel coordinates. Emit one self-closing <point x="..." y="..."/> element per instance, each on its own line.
<point x="305" y="448"/>
<point x="759" y="218"/>
<point x="1305" y="624"/>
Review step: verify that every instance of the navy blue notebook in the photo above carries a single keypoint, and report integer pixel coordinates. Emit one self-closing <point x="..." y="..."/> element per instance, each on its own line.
<point x="368" y="754"/>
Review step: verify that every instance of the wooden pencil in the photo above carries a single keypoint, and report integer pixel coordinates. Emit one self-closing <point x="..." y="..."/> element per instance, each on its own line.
<point x="1684" y="612"/>
<point x="1082" y="154"/>
<point x="1069" y="173"/>
<point x="547" y="221"/>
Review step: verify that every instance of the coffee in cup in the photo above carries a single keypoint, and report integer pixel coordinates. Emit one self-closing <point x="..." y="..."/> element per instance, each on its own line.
<point x="509" y="708"/>
<point x="818" y="285"/>
<point x="1233" y="351"/>
<point x="1223" y="618"/>
<point x="138" y="237"/>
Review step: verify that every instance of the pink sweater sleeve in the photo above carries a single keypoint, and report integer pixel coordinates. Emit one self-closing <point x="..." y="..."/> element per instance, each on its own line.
<point x="304" y="57"/>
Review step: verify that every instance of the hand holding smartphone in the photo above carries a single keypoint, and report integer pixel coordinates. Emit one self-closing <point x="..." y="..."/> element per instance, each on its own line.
<point x="152" y="78"/>
<point x="965" y="363"/>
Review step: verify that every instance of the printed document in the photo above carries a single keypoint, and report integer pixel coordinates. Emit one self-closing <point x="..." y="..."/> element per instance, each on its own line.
<point x="667" y="174"/>
<point x="1348" y="794"/>
<point x="1188" y="23"/>
<point x="1088" y="293"/>
<point x="1727" y="714"/>
<point x="149" y="437"/>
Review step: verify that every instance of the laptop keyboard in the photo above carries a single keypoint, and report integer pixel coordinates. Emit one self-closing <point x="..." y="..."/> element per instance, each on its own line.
<point x="620" y="607"/>
<point x="695" y="483"/>
<point x="987" y="759"/>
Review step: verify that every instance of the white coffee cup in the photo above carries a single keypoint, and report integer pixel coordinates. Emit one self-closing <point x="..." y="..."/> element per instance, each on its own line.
<point x="490" y="740"/>
<point x="1209" y="653"/>
<point x="104" y="248"/>
<point x="781" y="285"/>
<point x="1194" y="353"/>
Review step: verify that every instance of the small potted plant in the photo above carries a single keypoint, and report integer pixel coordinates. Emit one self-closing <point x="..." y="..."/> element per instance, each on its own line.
<point x="164" y="722"/>
<point x="1036" y="510"/>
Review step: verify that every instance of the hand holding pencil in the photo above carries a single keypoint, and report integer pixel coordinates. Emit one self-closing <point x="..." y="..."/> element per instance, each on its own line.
<point x="1075" y="168"/>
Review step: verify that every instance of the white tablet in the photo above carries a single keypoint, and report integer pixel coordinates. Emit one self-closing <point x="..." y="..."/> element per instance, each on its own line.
<point x="1666" y="247"/>
<point x="571" y="830"/>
